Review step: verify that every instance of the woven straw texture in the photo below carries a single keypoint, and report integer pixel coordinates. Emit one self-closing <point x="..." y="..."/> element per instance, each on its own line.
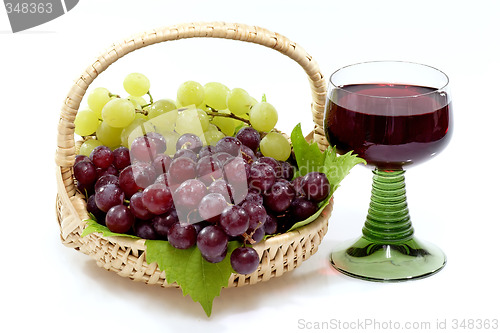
<point x="125" y="256"/>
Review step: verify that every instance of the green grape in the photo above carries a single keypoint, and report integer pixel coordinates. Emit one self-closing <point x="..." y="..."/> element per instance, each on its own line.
<point x="86" y="122"/>
<point x="203" y="106"/>
<point x="216" y="95"/>
<point x="161" y="106"/>
<point x="239" y="101"/>
<point x="109" y="136"/>
<point x="97" y="99"/>
<point x="136" y="84"/>
<point x="89" y="145"/>
<point x="204" y="119"/>
<point x="125" y="134"/>
<point x="137" y="105"/>
<point x="137" y="101"/>
<point x="164" y="122"/>
<point x="137" y="131"/>
<point x="188" y="122"/>
<point x="190" y="93"/>
<point x="263" y="117"/>
<point x="225" y="124"/>
<point x="213" y="136"/>
<point x="276" y="146"/>
<point x="171" y="139"/>
<point x="211" y="127"/>
<point x="118" y="112"/>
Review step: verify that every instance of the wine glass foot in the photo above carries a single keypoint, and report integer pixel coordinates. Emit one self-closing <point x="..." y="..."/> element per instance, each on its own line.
<point x="373" y="261"/>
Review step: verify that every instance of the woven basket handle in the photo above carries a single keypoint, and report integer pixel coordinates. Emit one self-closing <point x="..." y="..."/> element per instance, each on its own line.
<point x="65" y="140"/>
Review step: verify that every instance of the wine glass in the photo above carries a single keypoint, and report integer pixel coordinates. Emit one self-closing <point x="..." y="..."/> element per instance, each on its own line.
<point x="394" y="115"/>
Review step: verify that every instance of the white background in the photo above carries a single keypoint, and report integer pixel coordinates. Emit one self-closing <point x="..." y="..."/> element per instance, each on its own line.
<point x="453" y="198"/>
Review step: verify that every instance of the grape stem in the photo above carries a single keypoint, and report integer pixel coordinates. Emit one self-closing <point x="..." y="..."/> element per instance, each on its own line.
<point x="150" y="98"/>
<point x="214" y="113"/>
<point x="144" y="112"/>
<point x="248" y="238"/>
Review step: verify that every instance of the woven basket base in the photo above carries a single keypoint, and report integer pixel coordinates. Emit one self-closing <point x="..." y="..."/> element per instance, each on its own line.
<point x="127" y="257"/>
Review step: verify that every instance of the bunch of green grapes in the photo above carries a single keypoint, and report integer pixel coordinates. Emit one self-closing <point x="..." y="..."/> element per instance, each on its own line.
<point x="211" y="112"/>
<point x="228" y="110"/>
<point x="108" y="115"/>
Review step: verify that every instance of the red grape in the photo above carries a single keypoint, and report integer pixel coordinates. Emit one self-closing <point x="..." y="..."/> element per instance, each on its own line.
<point x="256" y="212"/>
<point x="220" y="186"/>
<point x="186" y="153"/>
<point x="301" y="208"/>
<point x="208" y="169"/>
<point x="211" y="206"/>
<point x="212" y="242"/>
<point x="247" y="154"/>
<point x="182" y="236"/>
<point x="206" y="151"/>
<point x="111" y="170"/>
<point x="249" y="137"/>
<point x="245" y="260"/>
<point x="279" y="197"/>
<point x="85" y="172"/>
<point x="287" y="171"/>
<point x="102" y="157"/>
<point x="135" y="177"/>
<point x="189" y="194"/>
<point x="105" y="180"/>
<point x="157" y="198"/>
<point x="143" y="149"/>
<point x="144" y="229"/>
<point x="181" y="169"/>
<point x="261" y="176"/>
<point x="163" y="222"/>
<point x="119" y="219"/>
<point x="229" y="145"/>
<point x="108" y="196"/>
<point x="81" y="158"/>
<point x="234" y="220"/>
<point x="189" y="141"/>
<point x="92" y="208"/>
<point x="315" y="186"/>
<point x="121" y="157"/>
<point x="159" y="141"/>
<point x="271" y="225"/>
<point x="235" y="172"/>
<point x="161" y="163"/>
<point x="138" y="208"/>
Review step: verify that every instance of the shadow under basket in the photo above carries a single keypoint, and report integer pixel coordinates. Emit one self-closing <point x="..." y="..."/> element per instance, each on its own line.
<point x="126" y="256"/>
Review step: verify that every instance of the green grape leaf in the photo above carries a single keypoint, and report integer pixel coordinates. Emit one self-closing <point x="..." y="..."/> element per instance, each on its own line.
<point x="93" y="226"/>
<point x="310" y="158"/>
<point x="198" y="278"/>
<point x="337" y="167"/>
<point x="308" y="155"/>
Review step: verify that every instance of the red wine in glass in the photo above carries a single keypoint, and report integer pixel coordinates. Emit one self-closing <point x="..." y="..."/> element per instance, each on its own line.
<point x="394" y="115"/>
<point x="389" y="125"/>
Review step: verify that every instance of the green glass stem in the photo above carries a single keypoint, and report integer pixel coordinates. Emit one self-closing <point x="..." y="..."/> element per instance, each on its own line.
<point x="388" y="250"/>
<point x="388" y="218"/>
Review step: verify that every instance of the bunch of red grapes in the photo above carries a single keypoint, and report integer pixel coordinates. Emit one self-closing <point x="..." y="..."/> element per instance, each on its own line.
<point x="203" y="196"/>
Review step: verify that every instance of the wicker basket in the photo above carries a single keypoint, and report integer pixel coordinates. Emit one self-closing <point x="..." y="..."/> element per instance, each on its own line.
<point x="126" y="257"/>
